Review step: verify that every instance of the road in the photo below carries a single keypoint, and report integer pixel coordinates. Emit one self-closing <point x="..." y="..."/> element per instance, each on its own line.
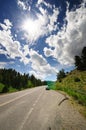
<point x="38" y="109"/>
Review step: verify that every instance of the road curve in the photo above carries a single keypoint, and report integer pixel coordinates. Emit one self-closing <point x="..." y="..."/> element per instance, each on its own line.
<point x="38" y="109"/>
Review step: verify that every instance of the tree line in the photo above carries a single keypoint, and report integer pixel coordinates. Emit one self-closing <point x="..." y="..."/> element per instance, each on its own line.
<point x="80" y="61"/>
<point x="12" y="78"/>
<point x="80" y="64"/>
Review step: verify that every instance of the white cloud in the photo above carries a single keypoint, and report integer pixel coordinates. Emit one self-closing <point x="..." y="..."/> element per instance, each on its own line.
<point x="25" y="60"/>
<point x="52" y="40"/>
<point x="39" y="2"/>
<point x="34" y="28"/>
<point x="52" y="25"/>
<point x="37" y="59"/>
<point x="22" y="4"/>
<point x="12" y="47"/>
<point x="44" y="24"/>
<point x="7" y="25"/>
<point x="40" y="66"/>
<point x="26" y="50"/>
<point x="70" y="40"/>
<point x="2" y="65"/>
<point x="48" y="52"/>
<point x="2" y="51"/>
<point x="53" y="17"/>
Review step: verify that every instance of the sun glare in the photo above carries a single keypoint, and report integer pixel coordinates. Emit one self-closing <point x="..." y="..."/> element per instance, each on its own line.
<point x="30" y="26"/>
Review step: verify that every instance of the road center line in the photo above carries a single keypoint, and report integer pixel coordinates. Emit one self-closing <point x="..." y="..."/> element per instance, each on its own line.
<point x="30" y="111"/>
<point x="12" y="100"/>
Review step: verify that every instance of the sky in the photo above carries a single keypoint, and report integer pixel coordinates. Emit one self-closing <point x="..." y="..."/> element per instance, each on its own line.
<point x="41" y="37"/>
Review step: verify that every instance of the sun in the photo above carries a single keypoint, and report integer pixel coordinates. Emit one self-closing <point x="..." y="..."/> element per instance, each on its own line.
<point x="30" y="26"/>
<point x="32" y="29"/>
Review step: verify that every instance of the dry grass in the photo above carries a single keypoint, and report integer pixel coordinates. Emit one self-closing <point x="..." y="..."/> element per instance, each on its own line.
<point x="74" y="84"/>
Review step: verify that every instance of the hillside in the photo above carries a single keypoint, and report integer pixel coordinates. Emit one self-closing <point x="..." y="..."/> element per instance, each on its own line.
<point x="74" y="84"/>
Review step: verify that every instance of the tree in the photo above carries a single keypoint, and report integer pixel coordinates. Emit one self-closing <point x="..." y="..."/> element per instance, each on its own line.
<point x="12" y="78"/>
<point x="61" y="75"/>
<point x="33" y="80"/>
<point x="80" y="61"/>
<point x="83" y="56"/>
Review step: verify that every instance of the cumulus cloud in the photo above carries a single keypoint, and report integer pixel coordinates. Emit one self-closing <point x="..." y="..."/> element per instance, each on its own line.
<point x="44" y="24"/>
<point x="22" y="5"/>
<point x="6" y="39"/>
<point x="39" y="2"/>
<point x="11" y="48"/>
<point x="48" y="52"/>
<point x="70" y="40"/>
<point x="7" y="25"/>
<point x="40" y="66"/>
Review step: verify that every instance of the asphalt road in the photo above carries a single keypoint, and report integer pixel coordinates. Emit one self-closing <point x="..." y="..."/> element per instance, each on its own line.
<point x="38" y="109"/>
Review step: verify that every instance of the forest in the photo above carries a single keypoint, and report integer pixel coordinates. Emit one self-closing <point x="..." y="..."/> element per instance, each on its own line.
<point x="11" y="79"/>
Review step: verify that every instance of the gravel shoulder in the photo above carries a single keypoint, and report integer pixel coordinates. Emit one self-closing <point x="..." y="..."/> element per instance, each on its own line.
<point x="70" y="117"/>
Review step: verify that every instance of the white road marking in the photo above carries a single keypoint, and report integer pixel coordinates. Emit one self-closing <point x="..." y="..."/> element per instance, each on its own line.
<point x="30" y="111"/>
<point x="12" y="100"/>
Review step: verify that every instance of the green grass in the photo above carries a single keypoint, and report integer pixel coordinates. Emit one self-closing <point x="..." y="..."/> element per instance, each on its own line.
<point x="11" y="89"/>
<point x="74" y="84"/>
<point x="1" y="87"/>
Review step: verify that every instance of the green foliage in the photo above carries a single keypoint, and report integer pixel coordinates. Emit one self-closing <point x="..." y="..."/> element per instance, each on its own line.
<point x="36" y="82"/>
<point x="83" y="56"/>
<point x="30" y="84"/>
<point x="61" y="75"/>
<point x="12" y="78"/>
<point x="5" y="89"/>
<point x="11" y="89"/>
<point x="80" y="62"/>
<point x="77" y="79"/>
<point x="75" y="85"/>
<point x="11" y="81"/>
<point x="1" y="87"/>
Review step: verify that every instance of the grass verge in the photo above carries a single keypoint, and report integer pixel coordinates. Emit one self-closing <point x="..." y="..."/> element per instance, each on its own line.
<point x="74" y="84"/>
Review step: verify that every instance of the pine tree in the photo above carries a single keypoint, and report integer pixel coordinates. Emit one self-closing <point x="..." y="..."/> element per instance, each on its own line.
<point x="83" y="56"/>
<point x="80" y="61"/>
<point x="61" y="75"/>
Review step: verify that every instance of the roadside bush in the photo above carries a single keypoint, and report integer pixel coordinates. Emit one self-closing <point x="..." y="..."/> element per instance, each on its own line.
<point x="77" y="79"/>
<point x="5" y="89"/>
<point x="1" y="87"/>
<point x="61" y="75"/>
<point x="60" y="80"/>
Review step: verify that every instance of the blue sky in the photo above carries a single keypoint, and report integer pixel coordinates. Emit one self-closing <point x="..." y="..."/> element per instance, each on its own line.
<point x="41" y="37"/>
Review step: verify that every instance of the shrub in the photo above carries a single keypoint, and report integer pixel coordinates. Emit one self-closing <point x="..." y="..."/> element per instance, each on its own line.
<point x="61" y="75"/>
<point x="77" y="79"/>
<point x="80" y="61"/>
<point x="5" y="89"/>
